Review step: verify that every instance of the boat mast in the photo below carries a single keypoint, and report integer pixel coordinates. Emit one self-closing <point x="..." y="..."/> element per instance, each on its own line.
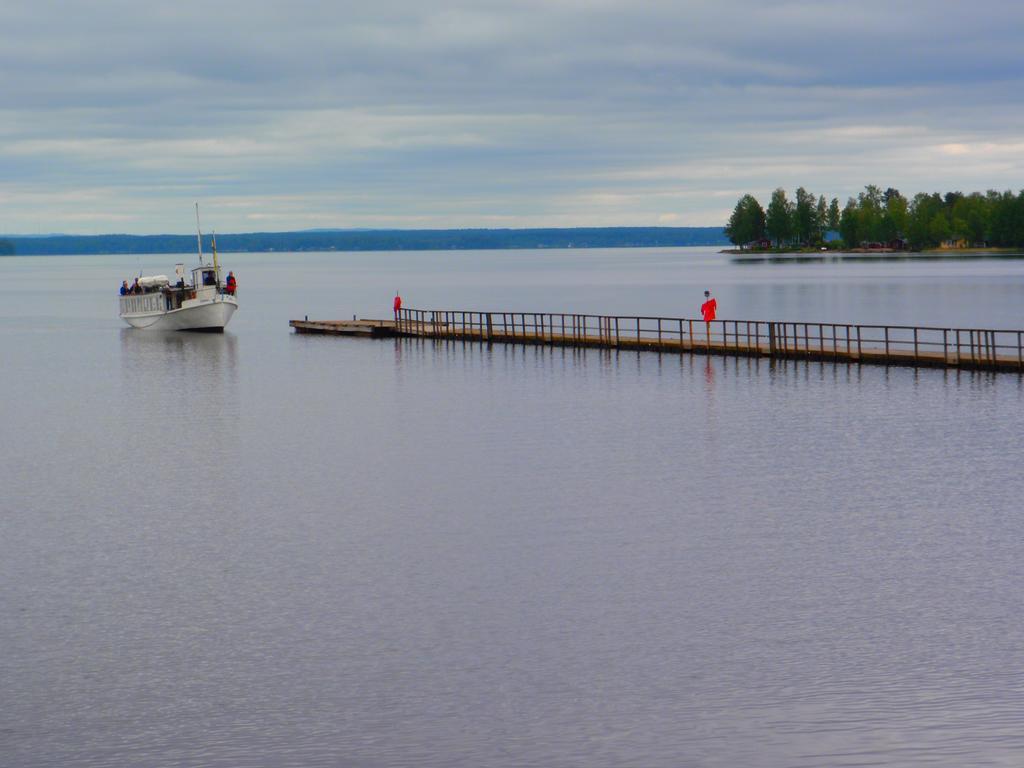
<point x="216" y="265"/>
<point x="199" y="236"/>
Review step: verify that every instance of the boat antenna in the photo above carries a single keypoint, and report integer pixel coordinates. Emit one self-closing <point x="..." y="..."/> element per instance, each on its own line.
<point x="199" y="236"/>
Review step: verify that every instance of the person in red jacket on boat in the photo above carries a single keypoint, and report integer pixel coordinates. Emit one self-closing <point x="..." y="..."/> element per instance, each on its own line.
<point x="232" y="284"/>
<point x="397" y="305"/>
<point x="707" y="311"/>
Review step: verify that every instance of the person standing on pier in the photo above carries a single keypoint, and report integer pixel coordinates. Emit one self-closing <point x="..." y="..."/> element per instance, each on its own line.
<point x="397" y="305"/>
<point x="708" y="310"/>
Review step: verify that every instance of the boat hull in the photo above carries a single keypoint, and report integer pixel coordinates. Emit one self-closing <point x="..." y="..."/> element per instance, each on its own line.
<point x="205" y="316"/>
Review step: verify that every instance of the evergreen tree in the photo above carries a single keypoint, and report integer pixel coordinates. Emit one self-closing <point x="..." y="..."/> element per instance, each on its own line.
<point x="804" y="225"/>
<point x="821" y="219"/>
<point x="833" y="214"/>
<point x="870" y="204"/>
<point x="779" y="217"/>
<point x="974" y="214"/>
<point x="747" y="221"/>
<point x="894" y="218"/>
<point x="993" y="218"/>
<point x="849" y="224"/>
<point x="923" y="210"/>
<point x="1002" y="216"/>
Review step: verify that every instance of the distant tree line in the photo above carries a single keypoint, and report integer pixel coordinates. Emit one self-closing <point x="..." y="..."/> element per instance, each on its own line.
<point x="881" y="218"/>
<point x="374" y="240"/>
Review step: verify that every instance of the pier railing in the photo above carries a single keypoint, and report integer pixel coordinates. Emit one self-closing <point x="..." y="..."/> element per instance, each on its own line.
<point x="897" y="344"/>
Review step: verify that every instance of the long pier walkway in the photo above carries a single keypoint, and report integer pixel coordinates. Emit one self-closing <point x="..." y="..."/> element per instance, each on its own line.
<point x="975" y="348"/>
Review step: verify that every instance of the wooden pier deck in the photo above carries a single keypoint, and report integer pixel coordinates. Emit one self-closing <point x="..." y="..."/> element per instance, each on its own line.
<point x="983" y="349"/>
<point x="375" y="328"/>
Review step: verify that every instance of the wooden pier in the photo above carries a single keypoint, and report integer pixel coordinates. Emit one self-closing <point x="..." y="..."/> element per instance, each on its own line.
<point x="374" y="328"/>
<point x="974" y="348"/>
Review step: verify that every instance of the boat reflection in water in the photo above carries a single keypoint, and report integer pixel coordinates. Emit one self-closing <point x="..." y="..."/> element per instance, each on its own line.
<point x="201" y="369"/>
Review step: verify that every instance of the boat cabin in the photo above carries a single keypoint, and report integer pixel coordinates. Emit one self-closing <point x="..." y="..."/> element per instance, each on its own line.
<point x="205" y="276"/>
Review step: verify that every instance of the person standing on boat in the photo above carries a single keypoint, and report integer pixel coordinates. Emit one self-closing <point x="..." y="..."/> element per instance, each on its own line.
<point x="124" y="287"/>
<point x="232" y="284"/>
<point x="397" y="305"/>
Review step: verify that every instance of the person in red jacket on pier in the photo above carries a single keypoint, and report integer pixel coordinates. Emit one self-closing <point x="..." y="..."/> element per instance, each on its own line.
<point x="397" y="305"/>
<point x="707" y="311"/>
<point x="708" y="308"/>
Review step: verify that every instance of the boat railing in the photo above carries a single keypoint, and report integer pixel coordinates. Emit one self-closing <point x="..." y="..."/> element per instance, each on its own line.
<point x="154" y="301"/>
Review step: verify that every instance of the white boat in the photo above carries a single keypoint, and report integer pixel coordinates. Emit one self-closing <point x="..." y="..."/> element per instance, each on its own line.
<point x="204" y="304"/>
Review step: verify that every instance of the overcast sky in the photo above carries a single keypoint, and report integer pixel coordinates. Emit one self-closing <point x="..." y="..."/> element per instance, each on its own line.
<point x="116" y="116"/>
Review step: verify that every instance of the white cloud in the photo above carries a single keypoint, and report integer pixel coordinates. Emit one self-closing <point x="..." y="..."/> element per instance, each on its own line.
<point x="491" y="112"/>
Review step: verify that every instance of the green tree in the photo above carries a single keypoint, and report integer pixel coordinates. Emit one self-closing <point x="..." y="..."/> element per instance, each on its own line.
<point x="895" y="216"/>
<point x="821" y="219"/>
<point x="975" y="214"/>
<point x="939" y="229"/>
<point x="1003" y="218"/>
<point x="994" y="218"/>
<point x="1014" y="219"/>
<point x="747" y="221"/>
<point x="849" y="224"/>
<point x="804" y="224"/>
<point x="870" y="204"/>
<point x="833" y="214"/>
<point x="1017" y="221"/>
<point x="779" y="217"/>
<point x="950" y="199"/>
<point x="923" y="209"/>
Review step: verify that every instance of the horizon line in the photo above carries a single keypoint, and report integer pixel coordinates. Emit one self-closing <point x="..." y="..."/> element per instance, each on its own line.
<point x="337" y="230"/>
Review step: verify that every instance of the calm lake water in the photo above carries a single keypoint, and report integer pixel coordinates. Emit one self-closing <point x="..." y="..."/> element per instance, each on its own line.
<point x="263" y="549"/>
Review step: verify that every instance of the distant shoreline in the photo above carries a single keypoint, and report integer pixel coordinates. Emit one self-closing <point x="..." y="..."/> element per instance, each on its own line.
<point x="952" y="252"/>
<point x="873" y="254"/>
<point x="370" y="240"/>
